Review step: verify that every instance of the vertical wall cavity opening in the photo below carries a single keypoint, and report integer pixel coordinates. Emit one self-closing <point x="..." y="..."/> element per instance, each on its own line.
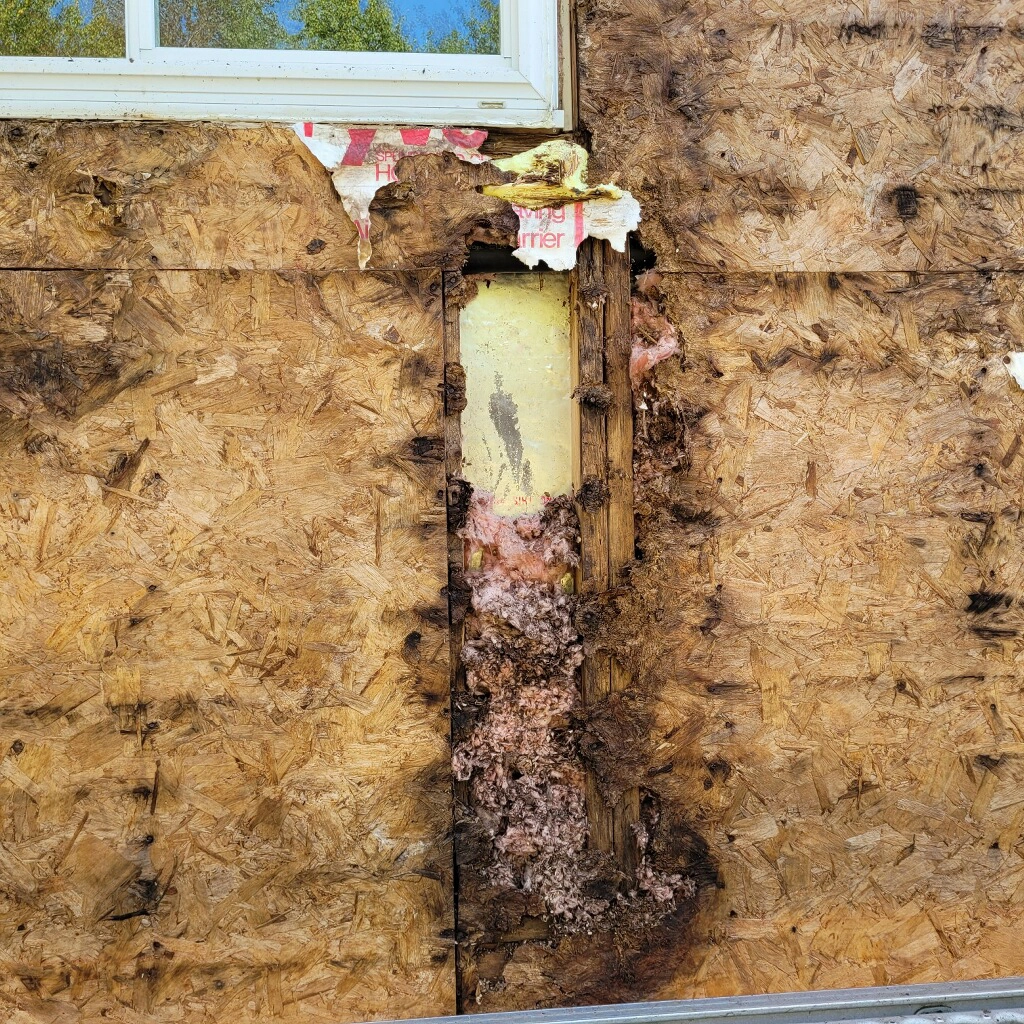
<point x="517" y="424"/>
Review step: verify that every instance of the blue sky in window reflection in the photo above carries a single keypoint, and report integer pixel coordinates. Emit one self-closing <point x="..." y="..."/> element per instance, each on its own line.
<point x="419" y="19"/>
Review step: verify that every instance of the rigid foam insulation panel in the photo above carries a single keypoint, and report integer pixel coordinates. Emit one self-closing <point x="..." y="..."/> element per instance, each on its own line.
<point x="225" y="769"/>
<point x="515" y="346"/>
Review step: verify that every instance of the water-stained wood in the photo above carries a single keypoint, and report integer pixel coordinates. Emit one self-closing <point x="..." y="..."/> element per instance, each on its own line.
<point x="223" y="647"/>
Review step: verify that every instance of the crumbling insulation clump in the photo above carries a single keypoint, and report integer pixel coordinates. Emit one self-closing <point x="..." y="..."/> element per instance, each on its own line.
<point x="654" y="338"/>
<point x="663" y="415"/>
<point x="525" y="746"/>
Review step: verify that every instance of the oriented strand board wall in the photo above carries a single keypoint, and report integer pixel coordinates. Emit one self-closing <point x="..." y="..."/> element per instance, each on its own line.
<point x="831" y="540"/>
<point x="828" y="554"/>
<point x="223" y="647"/>
<point x="147" y="196"/>
<point x="814" y="134"/>
<point x="845" y="705"/>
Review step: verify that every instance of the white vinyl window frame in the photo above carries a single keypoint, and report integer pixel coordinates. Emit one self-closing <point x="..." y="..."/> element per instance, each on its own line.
<point x="520" y="87"/>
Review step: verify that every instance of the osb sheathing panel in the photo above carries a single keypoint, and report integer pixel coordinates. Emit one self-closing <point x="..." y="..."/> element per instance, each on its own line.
<point x="811" y="135"/>
<point x="834" y="583"/>
<point x="128" y="196"/>
<point x="224" y="774"/>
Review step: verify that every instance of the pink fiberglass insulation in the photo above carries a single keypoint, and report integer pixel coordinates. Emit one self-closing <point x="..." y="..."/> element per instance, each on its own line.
<point x="520" y="752"/>
<point x="538" y="546"/>
<point x="654" y="338"/>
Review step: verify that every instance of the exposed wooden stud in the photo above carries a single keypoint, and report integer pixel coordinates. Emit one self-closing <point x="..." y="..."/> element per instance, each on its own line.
<point x="601" y="321"/>
<point x="621" y="537"/>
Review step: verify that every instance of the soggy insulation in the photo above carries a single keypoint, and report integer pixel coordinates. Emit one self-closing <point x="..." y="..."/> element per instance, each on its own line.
<point x="521" y="733"/>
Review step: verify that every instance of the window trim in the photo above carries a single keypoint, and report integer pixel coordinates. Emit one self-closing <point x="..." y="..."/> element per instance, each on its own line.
<point x="521" y="87"/>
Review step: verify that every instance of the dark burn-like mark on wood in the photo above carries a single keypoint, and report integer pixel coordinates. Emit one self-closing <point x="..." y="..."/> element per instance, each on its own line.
<point x="905" y="198"/>
<point x="982" y="601"/>
<point x="427" y="449"/>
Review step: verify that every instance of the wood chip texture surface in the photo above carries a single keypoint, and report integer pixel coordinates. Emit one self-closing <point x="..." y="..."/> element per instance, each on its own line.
<point x="224" y="655"/>
<point x="223" y="648"/>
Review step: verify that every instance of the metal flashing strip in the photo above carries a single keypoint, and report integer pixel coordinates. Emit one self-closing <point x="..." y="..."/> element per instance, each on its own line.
<point x="973" y="1002"/>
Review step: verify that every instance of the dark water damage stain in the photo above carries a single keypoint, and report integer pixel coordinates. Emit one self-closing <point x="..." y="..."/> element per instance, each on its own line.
<point x="993" y="610"/>
<point x="547" y="916"/>
<point x="905" y="199"/>
<point x="64" y="380"/>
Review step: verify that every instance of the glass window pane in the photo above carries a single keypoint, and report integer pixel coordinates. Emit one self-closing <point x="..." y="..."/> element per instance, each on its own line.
<point x="67" y="28"/>
<point x="393" y="26"/>
<point x="514" y="343"/>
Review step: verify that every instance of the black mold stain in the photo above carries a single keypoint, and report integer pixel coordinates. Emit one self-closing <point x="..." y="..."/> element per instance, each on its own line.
<point x="955" y="37"/>
<point x="905" y="198"/>
<point x="504" y="415"/>
<point x="998" y="118"/>
<point x="988" y="762"/>
<point x="125" y="467"/>
<point x="873" y="31"/>
<point x="594" y="396"/>
<point x="434" y="615"/>
<point x="454" y="388"/>
<point x="458" y="495"/>
<point x="427" y="449"/>
<point x="459" y="595"/>
<point x="615" y="743"/>
<point x="66" y="379"/>
<point x="411" y="646"/>
<point x="982" y="601"/>
<point x="593" y="495"/>
<point x="994" y="632"/>
<point x="687" y="516"/>
<point x="416" y="370"/>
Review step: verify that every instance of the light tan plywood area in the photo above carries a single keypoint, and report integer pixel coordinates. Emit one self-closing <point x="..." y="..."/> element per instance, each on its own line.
<point x="223" y="648"/>
<point x="841" y="660"/>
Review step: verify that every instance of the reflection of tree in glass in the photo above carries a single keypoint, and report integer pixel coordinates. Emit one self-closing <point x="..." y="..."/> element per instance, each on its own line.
<point x="481" y="32"/>
<point x="373" y="25"/>
<point x="345" y="25"/>
<point x="41" y="28"/>
<point x="223" y="24"/>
